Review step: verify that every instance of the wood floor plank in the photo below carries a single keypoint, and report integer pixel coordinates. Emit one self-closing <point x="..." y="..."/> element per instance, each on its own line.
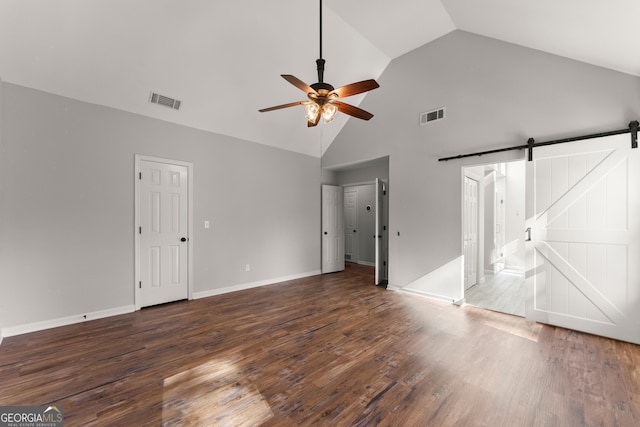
<point x="325" y="350"/>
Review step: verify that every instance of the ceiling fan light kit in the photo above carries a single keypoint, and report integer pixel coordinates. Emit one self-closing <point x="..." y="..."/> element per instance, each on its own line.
<point x="323" y="98"/>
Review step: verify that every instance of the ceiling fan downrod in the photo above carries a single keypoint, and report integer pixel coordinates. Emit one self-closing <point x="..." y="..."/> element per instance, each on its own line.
<point x="320" y="61"/>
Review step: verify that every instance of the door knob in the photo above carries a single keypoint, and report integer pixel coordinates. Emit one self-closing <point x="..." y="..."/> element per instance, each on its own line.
<point x="354" y="231"/>
<point x="184" y="239"/>
<point x="326" y="232"/>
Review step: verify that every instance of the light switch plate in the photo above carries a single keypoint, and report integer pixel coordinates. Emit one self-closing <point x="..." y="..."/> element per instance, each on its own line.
<point x="206" y="224"/>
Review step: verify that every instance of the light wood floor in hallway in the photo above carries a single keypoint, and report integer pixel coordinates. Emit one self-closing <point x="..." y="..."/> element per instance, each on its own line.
<point x="503" y="292"/>
<point x="325" y="350"/>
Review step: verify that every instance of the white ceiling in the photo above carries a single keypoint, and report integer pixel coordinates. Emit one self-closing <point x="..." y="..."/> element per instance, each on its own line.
<point x="223" y="59"/>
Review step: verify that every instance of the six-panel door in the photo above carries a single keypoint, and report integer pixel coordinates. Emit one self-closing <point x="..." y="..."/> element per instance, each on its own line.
<point x="163" y="233"/>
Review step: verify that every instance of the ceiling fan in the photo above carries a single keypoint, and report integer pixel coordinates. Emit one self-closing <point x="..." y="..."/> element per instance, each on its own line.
<point x="323" y="97"/>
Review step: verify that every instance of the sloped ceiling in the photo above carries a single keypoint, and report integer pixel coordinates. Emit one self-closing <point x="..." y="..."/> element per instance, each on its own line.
<point x="223" y="59"/>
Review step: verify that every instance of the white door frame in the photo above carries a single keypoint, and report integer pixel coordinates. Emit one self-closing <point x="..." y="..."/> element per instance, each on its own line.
<point x="465" y="231"/>
<point x="466" y="173"/>
<point x="381" y="247"/>
<point x="136" y="284"/>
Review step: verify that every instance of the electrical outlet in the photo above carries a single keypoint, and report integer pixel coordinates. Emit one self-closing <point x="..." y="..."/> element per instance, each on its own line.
<point x="206" y="224"/>
<point x="247" y="267"/>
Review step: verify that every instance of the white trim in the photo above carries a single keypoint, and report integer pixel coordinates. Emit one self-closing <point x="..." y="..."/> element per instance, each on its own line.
<point x="137" y="159"/>
<point x="365" y="162"/>
<point x="358" y="184"/>
<point x="367" y="263"/>
<point x="422" y="294"/>
<point x="243" y="286"/>
<point x="64" y="321"/>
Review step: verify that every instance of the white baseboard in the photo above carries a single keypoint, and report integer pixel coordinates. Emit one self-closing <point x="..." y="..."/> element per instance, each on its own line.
<point x="70" y="320"/>
<point x="243" y="286"/>
<point x="422" y="294"/>
<point x="63" y="321"/>
<point x="367" y="263"/>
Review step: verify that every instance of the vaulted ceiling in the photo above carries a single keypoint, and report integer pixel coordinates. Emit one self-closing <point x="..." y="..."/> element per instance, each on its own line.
<point x="223" y="59"/>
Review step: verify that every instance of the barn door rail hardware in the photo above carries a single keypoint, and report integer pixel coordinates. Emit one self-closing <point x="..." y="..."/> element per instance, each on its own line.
<point x="531" y="144"/>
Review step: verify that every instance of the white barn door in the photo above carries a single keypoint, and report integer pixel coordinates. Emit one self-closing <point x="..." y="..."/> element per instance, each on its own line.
<point x="332" y="229"/>
<point x="583" y="219"/>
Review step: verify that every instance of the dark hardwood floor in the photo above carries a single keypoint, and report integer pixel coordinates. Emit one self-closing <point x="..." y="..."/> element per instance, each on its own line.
<point x="325" y="350"/>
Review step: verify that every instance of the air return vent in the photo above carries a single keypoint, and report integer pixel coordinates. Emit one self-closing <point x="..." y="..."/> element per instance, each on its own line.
<point x="164" y="100"/>
<point x="431" y="116"/>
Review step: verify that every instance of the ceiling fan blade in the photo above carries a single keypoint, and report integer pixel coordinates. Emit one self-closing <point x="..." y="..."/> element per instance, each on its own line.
<point x="352" y="111"/>
<point x="278" y="107"/>
<point x="298" y="83"/>
<point x="356" y="88"/>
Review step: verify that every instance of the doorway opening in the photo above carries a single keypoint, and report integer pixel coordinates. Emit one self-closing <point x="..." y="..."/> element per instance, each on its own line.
<point x="365" y="196"/>
<point x="493" y="236"/>
<point x="365" y="227"/>
<point x="359" y="224"/>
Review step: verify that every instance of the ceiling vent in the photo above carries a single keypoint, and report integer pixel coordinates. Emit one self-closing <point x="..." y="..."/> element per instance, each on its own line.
<point x="431" y="116"/>
<point x="164" y="100"/>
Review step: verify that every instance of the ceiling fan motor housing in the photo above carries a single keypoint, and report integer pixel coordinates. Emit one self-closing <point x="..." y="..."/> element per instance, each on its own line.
<point x="323" y="93"/>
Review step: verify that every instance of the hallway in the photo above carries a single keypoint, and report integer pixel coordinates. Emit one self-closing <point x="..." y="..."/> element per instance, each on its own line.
<point x="503" y="292"/>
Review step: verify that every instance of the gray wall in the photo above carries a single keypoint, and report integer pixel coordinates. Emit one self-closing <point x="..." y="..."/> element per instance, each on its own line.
<point x="367" y="172"/>
<point x="496" y="94"/>
<point x="67" y="208"/>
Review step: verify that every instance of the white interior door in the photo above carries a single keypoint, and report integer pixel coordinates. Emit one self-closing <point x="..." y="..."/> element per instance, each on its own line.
<point x="163" y="232"/>
<point x="470" y="232"/>
<point x="380" y="236"/>
<point x="583" y="211"/>
<point x="351" y="246"/>
<point x="332" y="229"/>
